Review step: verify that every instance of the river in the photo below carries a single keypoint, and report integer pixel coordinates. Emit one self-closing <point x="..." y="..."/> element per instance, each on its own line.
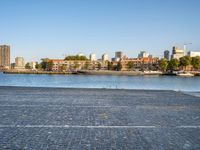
<point x="102" y="81"/>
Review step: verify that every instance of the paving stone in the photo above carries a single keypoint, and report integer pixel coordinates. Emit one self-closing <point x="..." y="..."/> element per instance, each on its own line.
<point x="57" y="118"/>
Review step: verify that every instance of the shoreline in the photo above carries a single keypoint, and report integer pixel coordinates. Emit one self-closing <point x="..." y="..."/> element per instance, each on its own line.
<point x="116" y="73"/>
<point x="98" y="89"/>
<point x="97" y="72"/>
<point x="81" y="88"/>
<point x="85" y="72"/>
<point x="35" y="72"/>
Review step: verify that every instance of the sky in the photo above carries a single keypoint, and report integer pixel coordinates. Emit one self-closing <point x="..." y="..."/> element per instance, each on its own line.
<point x="37" y="29"/>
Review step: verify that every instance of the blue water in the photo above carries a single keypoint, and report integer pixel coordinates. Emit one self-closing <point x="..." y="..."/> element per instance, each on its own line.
<point x="93" y="81"/>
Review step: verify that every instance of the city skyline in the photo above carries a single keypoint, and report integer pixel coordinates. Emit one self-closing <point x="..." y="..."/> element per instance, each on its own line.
<point x="141" y="53"/>
<point x="34" y="31"/>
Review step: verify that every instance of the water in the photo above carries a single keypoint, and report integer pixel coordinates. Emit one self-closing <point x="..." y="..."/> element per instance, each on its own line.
<point x="93" y="81"/>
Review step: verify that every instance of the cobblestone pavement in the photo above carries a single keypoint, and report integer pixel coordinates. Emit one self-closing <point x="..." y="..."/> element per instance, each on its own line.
<point x="53" y="118"/>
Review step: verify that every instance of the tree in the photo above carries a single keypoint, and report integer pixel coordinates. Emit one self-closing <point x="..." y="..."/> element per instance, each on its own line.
<point x="99" y="66"/>
<point x="119" y="66"/>
<point x="76" y="57"/>
<point x="130" y="65"/>
<point x="27" y="66"/>
<point x="37" y="65"/>
<point x="86" y="66"/>
<point x="43" y="65"/>
<point x="76" y="65"/>
<point x="173" y="64"/>
<point x="50" y="65"/>
<point x="196" y="62"/>
<point x="110" y="65"/>
<point x="47" y="64"/>
<point x="63" y="67"/>
<point x="163" y="64"/>
<point x="185" y="61"/>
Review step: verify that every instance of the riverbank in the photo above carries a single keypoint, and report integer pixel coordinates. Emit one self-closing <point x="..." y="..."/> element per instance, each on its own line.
<point x="108" y="72"/>
<point x="35" y="72"/>
<point x="86" y="72"/>
<point x="97" y="72"/>
<point x="59" y="118"/>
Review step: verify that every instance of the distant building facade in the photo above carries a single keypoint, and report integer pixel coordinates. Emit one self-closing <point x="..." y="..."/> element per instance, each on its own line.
<point x="118" y="55"/>
<point x="80" y="54"/>
<point x="19" y="63"/>
<point x="167" y="54"/>
<point x="193" y="54"/>
<point x="143" y="54"/>
<point x="4" y="56"/>
<point x="105" y="57"/>
<point x="93" y="57"/>
<point x="68" y="65"/>
<point x="140" y="63"/>
<point x="177" y="53"/>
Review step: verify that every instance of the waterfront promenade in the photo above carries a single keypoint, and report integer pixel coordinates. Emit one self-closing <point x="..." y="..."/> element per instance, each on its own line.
<point x="58" y="118"/>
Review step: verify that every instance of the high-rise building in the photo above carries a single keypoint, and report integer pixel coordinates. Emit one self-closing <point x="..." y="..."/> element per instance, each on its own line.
<point x="105" y="57"/>
<point x="118" y="55"/>
<point x="143" y="54"/>
<point x="177" y="53"/>
<point x="19" y="63"/>
<point x="4" y="56"/>
<point x="167" y="54"/>
<point x="93" y="57"/>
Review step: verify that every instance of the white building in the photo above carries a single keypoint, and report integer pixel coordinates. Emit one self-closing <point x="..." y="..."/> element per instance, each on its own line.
<point x="193" y="54"/>
<point x="143" y="54"/>
<point x="80" y="54"/>
<point x="105" y="57"/>
<point x="177" y="53"/>
<point x="19" y="63"/>
<point x="177" y="56"/>
<point x="93" y="57"/>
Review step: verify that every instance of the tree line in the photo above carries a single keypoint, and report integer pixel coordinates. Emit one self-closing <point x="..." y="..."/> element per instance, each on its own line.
<point x="183" y="62"/>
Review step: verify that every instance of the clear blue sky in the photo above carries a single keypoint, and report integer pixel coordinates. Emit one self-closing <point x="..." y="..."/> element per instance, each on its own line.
<point x="52" y="28"/>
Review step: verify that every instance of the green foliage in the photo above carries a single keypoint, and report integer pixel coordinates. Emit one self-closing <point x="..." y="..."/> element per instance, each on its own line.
<point x="76" y="57"/>
<point x="130" y="65"/>
<point x="27" y="66"/>
<point x="43" y="65"/>
<point x="163" y="64"/>
<point x="196" y="62"/>
<point x="37" y="66"/>
<point x="50" y="65"/>
<point x="76" y="65"/>
<point x="110" y="65"/>
<point x="46" y="64"/>
<point x="119" y="66"/>
<point x="87" y="65"/>
<point x="173" y="64"/>
<point x="185" y="61"/>
<point x="99" y="66"/>
<point x="63" y="67"/>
